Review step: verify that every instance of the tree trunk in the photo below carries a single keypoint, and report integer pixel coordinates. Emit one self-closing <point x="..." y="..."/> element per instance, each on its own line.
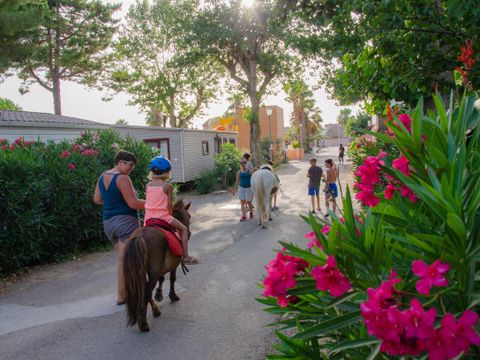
<point x="255" y="145"/>
<point x="57" y="102"/>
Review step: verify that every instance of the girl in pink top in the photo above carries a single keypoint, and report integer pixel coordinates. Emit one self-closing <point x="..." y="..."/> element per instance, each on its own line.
<point x="158" y="201"/>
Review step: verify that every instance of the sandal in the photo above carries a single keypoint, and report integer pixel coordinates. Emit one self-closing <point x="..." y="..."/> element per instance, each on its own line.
<point x="190" y="261"/>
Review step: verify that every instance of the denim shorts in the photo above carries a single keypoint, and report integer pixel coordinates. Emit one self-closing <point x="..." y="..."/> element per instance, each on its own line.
<point x="120" y="227"/>
<point x="245" y="193"/>
<point x="313" y="191"/>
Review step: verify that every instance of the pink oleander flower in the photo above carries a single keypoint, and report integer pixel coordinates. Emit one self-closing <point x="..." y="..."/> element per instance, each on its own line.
<point x="4" y="147"/>
<point x="89" y="152"/>
<point x="3" y="141"/>
<point x="12" y="147"/>
<point x="71" y="166"/>
<point x="406" y="120"/>
<point x="280" y="277"/>
<point x="453" y="337"/>
<point x="313" y="240"/>
<point x="368" y="198"/>
<point x="77" y="147"/>
<point x="430" y="275"/>
<point x="18" y="141"/>
<point x="329" y="278"/>
<point x="325" y="229"/>
<point x="402" y="164"/>
<point x="418" y="322"/>
<point x="405" y="191"/>
<point x="390" y="190"/>
<point x="65" y="154"/>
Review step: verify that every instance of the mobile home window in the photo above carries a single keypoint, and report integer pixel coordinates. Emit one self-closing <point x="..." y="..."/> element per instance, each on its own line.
<point x="205" y="147"/>
<point x="162" y="144"/>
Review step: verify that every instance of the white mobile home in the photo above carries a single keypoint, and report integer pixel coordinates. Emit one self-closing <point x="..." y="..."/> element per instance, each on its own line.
<point x="190" y="151"/>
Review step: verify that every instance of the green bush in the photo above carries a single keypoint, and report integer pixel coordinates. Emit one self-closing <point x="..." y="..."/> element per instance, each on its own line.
<point x="207" y="182"/>
<point x="227" y="164"/>
<point x="46" y="193"/>
<point x="361" y="304"/>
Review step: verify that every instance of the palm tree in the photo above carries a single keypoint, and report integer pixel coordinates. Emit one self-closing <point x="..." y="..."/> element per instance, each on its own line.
<point x="121" y="122"/>
<point x="306" y="115"/>
<point x="156" y="118"/>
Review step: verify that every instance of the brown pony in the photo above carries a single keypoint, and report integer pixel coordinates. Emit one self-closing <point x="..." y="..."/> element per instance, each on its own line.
<point x="147" y="260"/>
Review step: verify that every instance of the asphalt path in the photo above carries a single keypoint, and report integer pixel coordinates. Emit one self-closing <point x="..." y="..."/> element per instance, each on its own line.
<point x="68" y="311"/>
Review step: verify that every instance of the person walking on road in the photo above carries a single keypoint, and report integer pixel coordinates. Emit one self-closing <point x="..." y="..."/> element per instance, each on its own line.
<point x="341" y="153"/>
<point x="245" y="193"/>
<point x="114" y="190"/>
<point x="159" y="202"/>
<point x="331" y="192"/>
<point x="315" y="174"/>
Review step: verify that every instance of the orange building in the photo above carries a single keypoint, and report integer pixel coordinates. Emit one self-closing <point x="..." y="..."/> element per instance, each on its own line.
<point x="272" y="124"/>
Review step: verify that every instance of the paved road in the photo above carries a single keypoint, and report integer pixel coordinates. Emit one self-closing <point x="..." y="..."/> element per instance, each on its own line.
<point x="67" y="311"/>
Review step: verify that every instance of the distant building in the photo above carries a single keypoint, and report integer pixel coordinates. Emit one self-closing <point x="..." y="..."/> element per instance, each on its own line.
<point x="334" y="134"/>
<point x="269" y="126"/>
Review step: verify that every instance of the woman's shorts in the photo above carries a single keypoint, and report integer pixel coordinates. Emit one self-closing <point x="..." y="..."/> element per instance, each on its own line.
<point x="120" y="227"/>
<point x="245" y="194"/>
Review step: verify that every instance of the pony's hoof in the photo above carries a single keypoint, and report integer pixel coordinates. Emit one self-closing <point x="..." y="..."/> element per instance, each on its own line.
<point x="158" y="296"/>
<point x="264" y="227"/>
<point x="156" y="313"/>
<point x="144" y="328"/>
<point x="270" y="219"/>
<point x="174" y="298"/>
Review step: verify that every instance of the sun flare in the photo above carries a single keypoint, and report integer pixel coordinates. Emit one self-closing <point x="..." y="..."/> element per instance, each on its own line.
<point x="248" y="3"/>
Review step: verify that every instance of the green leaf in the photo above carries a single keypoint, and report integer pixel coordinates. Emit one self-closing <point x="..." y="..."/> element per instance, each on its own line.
<point x="457" y="225"/>
<point x="353" y="344"/>
<point x="330" y="326"/>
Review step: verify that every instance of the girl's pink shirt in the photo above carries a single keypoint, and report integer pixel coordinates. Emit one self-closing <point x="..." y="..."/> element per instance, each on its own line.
<point x="156" y="204"/>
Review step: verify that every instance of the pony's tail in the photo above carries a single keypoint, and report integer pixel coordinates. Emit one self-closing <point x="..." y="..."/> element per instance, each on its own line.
<point x="135" y="269"/>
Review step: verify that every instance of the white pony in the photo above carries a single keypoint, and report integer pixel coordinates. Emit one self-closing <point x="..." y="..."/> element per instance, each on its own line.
<point x="264" y="185"/>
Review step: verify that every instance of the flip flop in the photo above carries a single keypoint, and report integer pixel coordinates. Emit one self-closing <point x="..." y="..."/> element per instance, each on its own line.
<point x="190" y="262"/>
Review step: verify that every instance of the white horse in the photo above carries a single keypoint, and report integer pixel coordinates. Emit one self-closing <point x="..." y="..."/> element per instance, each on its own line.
<point x="264" y="185"/>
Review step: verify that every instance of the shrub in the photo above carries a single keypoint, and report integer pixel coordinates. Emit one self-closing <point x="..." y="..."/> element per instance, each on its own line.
<point x="46" y="193"/>
<point x="207" y="182"/>
<point x="227" y="164"/>
<point x="400" y="278"/>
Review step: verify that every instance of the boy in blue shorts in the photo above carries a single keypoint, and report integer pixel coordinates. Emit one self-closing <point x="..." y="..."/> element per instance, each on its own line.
<point x="331" y="191"/>
<point x="315" y="174"/>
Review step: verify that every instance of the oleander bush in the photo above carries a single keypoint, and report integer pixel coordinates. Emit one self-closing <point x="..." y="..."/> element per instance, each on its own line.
<point x="46" y="193"/>
<point x="400" y="278"/>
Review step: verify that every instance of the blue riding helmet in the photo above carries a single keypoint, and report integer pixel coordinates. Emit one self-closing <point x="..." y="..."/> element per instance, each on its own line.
<point x="161" y="164"/>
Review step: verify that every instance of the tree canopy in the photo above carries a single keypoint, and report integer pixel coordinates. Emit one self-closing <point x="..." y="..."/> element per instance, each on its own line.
<point x="249" y="43"/>
<point x="69" y="45"/>
<point x="19" y="20"/>
<point x="379" y="50"/>
<point x="153" y="63"/>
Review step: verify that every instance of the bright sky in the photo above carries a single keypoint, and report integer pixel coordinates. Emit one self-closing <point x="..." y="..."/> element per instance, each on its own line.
<point x="81" y="102"/>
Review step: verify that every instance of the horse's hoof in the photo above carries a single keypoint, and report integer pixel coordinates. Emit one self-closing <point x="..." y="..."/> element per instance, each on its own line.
<point x="144" y="328"/>
<point x="270" y="219"/>
<point x="158" y="296"/>
<point x="156" y="313"/>
<point x="264" y="227"/>
<point x="174" y="298"/>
